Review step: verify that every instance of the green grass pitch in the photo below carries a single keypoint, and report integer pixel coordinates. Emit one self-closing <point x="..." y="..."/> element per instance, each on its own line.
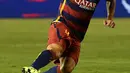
<point x="104" y="50"/>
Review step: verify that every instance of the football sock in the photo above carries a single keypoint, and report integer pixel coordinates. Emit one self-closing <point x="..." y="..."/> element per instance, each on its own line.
<point x="55" y="69"/>
<point x="42" y="60"/>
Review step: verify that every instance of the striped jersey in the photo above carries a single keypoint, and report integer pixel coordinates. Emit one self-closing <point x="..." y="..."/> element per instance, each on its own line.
<point x="76" y="15"/>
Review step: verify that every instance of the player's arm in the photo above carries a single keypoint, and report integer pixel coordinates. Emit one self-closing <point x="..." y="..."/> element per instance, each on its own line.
<point x="110" y="6"/>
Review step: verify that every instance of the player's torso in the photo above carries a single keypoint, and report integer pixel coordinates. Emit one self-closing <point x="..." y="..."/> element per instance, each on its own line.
<point x="76" y="14"/>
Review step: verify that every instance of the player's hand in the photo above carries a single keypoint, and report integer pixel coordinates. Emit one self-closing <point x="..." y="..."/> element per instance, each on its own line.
<point x="109" y="23"/>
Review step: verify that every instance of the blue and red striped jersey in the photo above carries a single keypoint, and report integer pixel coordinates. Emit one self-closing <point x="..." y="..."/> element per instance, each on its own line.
<point x="76" y="14"/>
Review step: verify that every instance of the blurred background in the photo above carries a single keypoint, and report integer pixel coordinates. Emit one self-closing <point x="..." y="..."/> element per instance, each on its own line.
<point x="48" y="8"/>
<point x="24" y="28"/>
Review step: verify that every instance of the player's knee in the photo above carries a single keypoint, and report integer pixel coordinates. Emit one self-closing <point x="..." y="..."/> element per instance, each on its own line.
<point x="56" y="49"/>
<point x="68" y="67"/>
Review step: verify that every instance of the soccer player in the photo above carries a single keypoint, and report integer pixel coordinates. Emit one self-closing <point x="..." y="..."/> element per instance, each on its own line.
<point x="66" y="33"/>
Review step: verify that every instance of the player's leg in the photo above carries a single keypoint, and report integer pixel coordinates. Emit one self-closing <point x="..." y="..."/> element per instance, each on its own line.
<point x="67" y="62"/>
<point x="54" y="50"/>
<point x="70" y="60"/>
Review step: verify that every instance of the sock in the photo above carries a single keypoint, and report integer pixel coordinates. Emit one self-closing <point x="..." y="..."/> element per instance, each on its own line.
<point x="55" y="69"/>
<point x="43" y="59"/>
